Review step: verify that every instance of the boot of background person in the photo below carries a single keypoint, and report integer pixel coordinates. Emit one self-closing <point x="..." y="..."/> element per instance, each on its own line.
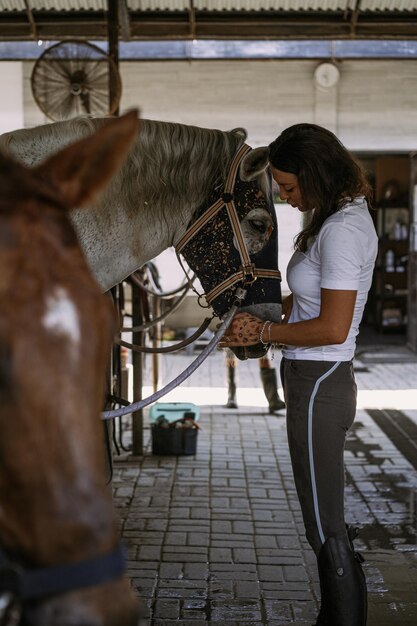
<point x="231" y="386"/>
<point x="269" y="384"/>
<point x="342" y="584"/>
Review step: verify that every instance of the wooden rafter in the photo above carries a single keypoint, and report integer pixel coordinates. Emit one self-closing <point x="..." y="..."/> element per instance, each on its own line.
<point x="191" y="18"/>
<point x="31" y="19"/>
<point x="124" y="20"/>
<point x="148" y="25"/>
<point x="354" y="18"/>
<point x="113" y="41"/>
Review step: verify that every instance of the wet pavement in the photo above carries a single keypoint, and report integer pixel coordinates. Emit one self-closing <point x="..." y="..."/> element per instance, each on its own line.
<point x="217" y="538"/>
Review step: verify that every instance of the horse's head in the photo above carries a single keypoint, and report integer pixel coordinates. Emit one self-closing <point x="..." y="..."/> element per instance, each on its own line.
<point x="60" y="562"/>
<point x="233" y="242"/>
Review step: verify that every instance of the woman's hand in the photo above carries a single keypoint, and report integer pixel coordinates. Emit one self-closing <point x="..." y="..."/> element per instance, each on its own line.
<point x="243" y="331"/>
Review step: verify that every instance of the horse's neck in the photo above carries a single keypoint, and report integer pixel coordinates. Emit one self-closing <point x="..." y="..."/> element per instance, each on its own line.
<point x="137" y="219"/>
<point x="117" y="244"/>
<point x="117" y="240"/>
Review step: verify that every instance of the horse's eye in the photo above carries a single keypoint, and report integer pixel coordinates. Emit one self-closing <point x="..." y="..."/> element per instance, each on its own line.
<point x="259" y="226"/>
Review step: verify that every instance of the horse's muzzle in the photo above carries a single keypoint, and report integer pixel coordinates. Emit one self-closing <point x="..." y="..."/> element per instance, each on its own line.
<point x="250" y="352"/>
<point x="266" y="311"/>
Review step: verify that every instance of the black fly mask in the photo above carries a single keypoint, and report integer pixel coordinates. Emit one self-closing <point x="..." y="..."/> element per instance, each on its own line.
<point x="233" y="242"/>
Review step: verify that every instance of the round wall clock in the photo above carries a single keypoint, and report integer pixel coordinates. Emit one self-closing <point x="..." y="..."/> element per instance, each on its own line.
<point x="326" y="75"/>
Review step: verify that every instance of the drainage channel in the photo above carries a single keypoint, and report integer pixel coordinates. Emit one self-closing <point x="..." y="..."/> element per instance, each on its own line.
<point x="400" y="429"/>
<point x="395" y="526"/>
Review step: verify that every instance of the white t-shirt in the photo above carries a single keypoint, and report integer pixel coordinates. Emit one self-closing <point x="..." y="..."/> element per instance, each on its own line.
<point x="342" y="256"/>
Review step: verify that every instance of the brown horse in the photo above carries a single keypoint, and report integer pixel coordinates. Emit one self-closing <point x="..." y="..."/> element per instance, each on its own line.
<point x="60" y="563"/>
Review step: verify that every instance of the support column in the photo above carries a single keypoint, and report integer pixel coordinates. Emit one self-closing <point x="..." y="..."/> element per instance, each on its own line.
<point x="412" y="260"/>
<point x="137" y="360"/>
<point x="113" y="40"/>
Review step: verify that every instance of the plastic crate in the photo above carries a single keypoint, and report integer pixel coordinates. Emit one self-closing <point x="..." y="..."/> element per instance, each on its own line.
<point x="174" y="441"/>
<point x="172" y="411"/>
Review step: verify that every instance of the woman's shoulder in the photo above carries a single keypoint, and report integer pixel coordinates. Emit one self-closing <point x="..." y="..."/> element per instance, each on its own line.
<point x="350" y="228"/>
<point x="354" y="214"/>
<point x="352" y="207"/>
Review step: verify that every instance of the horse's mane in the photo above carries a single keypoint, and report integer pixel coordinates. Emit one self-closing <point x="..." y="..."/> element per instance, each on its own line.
<point x="170" y="166"/>
<point x="182" y="162"/>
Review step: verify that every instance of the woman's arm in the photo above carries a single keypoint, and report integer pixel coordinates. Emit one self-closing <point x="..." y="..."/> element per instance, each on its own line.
<point x="286" y="308"/>
<point x="330" y="327"/>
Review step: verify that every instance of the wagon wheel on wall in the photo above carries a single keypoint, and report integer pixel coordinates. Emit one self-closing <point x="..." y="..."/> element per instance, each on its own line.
<point x="72" y="78"/>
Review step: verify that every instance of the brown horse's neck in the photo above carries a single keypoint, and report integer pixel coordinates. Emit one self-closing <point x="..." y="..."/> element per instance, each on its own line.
<point x="51" y="452"/>
<point x="75" y="497"/>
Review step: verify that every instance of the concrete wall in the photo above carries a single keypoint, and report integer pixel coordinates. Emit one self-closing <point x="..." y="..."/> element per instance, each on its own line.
<point x="11" y="101"/>
<point x="373" y="107"/>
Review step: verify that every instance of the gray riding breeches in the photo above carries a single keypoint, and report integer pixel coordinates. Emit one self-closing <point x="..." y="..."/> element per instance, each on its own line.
<point x="321" y="406"/>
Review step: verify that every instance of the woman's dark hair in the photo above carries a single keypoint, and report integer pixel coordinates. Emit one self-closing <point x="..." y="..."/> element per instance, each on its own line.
<point x="328" y="175"/>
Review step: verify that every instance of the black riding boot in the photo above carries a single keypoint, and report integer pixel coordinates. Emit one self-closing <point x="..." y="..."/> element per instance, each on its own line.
<point x="352" y="533"/>
<point x="342" y="584"/>
<point x="231" y="387"/>
<point x="269" y="384"/>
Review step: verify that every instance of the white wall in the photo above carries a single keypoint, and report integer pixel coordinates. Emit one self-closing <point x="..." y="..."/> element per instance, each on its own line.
<point x="11" y="101"/>
<point x="377" y="107"/>
<point x="262" y="97"/>
<point x="33" y="115"/>
<point x="375" y="101"/>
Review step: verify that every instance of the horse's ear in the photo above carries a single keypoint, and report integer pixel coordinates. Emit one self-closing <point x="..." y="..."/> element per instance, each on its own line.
<point x="254" y="163"/>
<point x="81" y="170"/>
<point x="240" y="132"/>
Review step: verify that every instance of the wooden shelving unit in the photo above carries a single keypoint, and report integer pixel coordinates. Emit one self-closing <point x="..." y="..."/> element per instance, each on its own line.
<point x="392" y="180"/>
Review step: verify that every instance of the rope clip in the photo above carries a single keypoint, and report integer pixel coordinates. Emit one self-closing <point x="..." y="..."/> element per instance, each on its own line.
<point x="201" y="302"/>
<point x="240" y="295"/>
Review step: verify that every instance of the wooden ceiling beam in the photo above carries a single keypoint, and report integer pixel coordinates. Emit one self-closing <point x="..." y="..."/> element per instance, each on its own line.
<point x="152" y="26"/>
<point x="191" y="19"/>
<point x="124" y="20"/>
<point x="354" y="18"/>
<point x="31" y="19"/>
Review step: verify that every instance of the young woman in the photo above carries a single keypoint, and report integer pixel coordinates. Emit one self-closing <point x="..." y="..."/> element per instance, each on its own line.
<point x="329" y="276"/>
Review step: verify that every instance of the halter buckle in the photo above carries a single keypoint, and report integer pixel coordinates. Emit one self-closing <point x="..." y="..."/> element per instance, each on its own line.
<point x="227" y="197"/>
<point x="249" y="275"/>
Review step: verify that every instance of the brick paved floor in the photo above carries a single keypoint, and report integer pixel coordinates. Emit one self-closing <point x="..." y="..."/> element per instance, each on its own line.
<point x="217" y="538"/>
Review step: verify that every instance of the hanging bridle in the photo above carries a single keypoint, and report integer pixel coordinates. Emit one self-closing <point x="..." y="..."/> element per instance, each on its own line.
<point x="248" y="272"/>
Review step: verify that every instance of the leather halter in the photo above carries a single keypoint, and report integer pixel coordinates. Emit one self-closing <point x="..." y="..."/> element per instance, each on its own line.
<point x="248" y="272"/>
<point x="19" y="586"/>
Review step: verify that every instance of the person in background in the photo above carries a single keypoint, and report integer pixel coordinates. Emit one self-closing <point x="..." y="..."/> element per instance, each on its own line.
<point x="268" y="378"/>
<point x="329" y="275"/>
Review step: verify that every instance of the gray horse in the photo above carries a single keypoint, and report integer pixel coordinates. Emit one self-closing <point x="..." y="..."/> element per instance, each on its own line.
<point x="173" y="171"/>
